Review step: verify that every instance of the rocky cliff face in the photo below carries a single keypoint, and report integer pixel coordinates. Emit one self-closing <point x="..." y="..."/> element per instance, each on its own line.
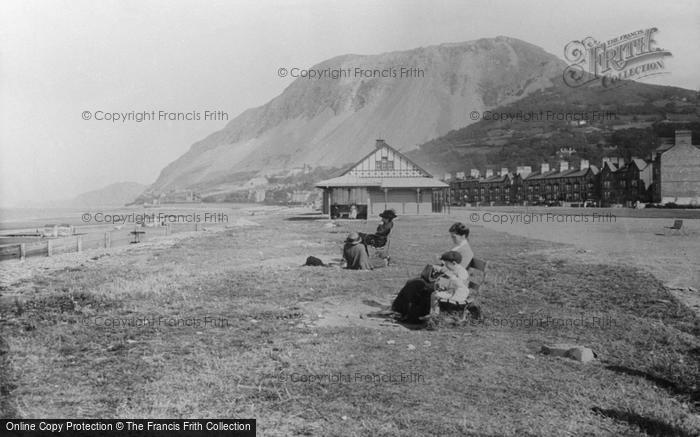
<point x="332" y="122"/>
<point x="118" y="194"/>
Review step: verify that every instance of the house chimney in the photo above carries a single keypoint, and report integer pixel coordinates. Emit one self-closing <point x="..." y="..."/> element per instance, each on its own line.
<point x="544" y="167"/>
<point x="563" y="166"/>
<point x="665" y="141"/>
<point x="379" y="144"/>
<point x="489" y="172"/>
<point x="459" y="175"/>
<point x="475" y="173"/>
<point x="524" y="171"/>
<point x="683" y="137"/>
<point x="504" y="171"/>
<point x="584" y="165"/>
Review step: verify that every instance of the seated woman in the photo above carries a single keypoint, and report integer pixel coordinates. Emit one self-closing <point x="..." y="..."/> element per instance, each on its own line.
<point x="459" y="234"/>
<point x="419" y="299"/>
<point x="379" y="238"/>
<point x="354" y="255"/>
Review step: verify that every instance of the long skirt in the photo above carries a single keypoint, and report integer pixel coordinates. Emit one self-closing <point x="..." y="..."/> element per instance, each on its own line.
<point x="413" y="301"/>
<point x="373" y="240"/>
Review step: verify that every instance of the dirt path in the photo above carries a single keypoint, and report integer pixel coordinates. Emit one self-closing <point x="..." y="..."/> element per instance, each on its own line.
<point x="358" y="313"/>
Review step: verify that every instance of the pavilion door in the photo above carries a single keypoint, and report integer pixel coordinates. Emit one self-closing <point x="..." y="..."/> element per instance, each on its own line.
<point x="439" y="199"/>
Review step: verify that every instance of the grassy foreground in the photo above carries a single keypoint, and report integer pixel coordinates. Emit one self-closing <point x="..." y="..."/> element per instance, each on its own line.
<point x="79" y="345"/>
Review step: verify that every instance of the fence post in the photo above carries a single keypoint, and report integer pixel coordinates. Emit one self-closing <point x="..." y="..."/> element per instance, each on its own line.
<point x="196" y="227"/>
<point x="108" y="239"/>
<point x="49" y="248"/>
<point x="80" y="243"/>
<point x="22" y="251"/>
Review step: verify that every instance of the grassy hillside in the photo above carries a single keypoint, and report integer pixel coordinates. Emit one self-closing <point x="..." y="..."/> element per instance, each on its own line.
<point x="625" y="121"/>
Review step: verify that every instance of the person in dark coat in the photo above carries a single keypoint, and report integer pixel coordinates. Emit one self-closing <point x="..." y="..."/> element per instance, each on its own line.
<point x="379" y="238"/>
<point x="354" y="254"/>
<point x="413" y="301"/>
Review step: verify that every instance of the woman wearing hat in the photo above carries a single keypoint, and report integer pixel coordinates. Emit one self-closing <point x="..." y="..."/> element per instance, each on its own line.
<point x="378" y="239"/>
<point x="354" y="254"/>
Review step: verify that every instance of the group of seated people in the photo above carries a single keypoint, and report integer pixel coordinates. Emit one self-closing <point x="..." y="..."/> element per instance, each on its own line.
<point x="448" y="283"/>
<point x="420" y="298"/>
<point x="356" y="248"/>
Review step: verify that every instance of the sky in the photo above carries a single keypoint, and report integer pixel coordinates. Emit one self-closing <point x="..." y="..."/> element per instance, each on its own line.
<point x="59" y="59"/>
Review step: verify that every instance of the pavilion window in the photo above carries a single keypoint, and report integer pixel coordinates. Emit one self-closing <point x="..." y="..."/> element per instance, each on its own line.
<point x="385" y="164"/>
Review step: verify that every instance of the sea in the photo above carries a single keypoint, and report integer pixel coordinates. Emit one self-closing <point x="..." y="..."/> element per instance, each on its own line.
<point x="32" y="219"/>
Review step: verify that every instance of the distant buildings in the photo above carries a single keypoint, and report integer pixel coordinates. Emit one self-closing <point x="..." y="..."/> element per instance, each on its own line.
<point x="672" y="175"/>
<point x="676" y="171"/>
<point x="176" y="196"/>
<point x="562" y="184"/>
<point x="626" y="183"/>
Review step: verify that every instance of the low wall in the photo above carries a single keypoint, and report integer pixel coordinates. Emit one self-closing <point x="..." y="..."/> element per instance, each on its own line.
<point x="89" y="240"/>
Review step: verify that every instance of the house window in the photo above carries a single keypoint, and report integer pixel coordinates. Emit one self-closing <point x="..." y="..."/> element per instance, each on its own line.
<point x="385" y="164"/>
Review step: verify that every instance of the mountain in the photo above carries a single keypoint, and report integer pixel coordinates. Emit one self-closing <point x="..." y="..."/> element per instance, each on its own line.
<point x="332" y="122"/>
<point x="117" y="194"/>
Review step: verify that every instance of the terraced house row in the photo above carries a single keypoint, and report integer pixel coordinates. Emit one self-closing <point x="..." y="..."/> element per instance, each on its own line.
<point x="670" y="175"/>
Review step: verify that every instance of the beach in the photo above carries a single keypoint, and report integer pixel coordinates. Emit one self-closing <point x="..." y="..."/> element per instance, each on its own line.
<point x="231" y="317"/>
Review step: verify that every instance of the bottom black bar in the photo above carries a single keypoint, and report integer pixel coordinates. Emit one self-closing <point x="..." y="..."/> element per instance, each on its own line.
<point x="128" y="427"/>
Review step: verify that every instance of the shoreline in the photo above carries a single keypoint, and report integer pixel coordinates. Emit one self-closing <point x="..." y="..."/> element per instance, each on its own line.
<point x="75" y="216"/>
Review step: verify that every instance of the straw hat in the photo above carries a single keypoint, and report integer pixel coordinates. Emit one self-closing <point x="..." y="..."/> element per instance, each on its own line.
<point x="353" y="238"/>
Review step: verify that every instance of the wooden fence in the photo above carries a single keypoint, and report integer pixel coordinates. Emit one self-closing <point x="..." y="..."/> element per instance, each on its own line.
<point x="89" y="240"/>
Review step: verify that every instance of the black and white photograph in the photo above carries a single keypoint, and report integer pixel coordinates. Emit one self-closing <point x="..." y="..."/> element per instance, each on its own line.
<point x="349" y="218"/>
